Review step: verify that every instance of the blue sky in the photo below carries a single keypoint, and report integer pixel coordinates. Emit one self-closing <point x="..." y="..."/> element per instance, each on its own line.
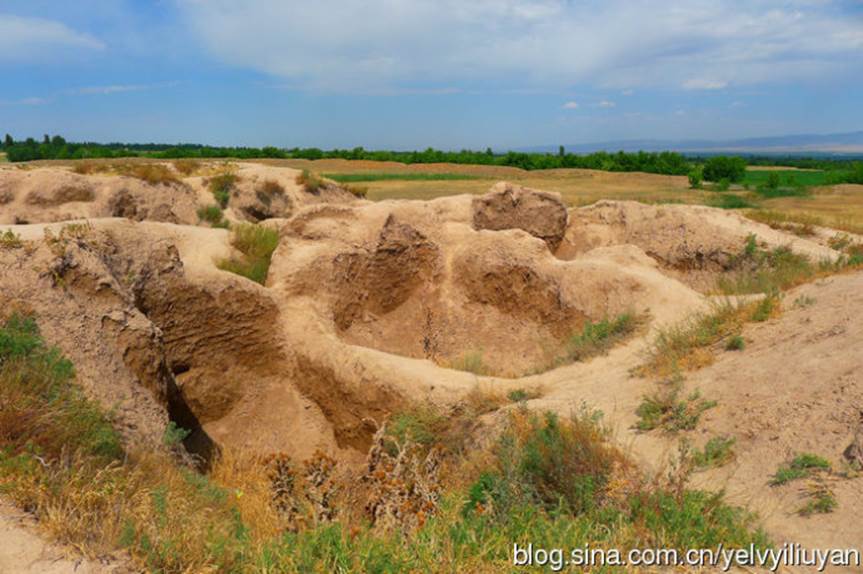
<point x="414" y="73"/>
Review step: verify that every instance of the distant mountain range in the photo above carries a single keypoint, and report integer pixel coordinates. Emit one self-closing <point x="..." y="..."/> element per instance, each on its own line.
<point x="844" y="144"/>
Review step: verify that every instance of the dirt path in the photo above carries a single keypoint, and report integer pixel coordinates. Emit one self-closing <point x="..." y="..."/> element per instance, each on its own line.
<point x="22" y="551"/>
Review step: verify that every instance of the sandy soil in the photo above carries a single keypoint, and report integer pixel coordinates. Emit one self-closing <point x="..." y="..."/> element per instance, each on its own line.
<point x="23" y="551"/>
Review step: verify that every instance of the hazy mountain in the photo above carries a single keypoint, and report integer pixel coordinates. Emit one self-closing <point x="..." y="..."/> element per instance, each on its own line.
<point x="850" y="143"/>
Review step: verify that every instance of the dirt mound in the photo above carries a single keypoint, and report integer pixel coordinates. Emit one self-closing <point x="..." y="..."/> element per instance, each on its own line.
<point x="682" y="237"/>
<point x="262" y="192"/>
<point x="508" y="206"/>
<point x="384" y="277"/>
<point x="55" y="194"/>
<point x="416" y="279"/>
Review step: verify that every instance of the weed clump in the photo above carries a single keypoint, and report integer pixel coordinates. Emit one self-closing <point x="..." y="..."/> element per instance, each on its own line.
<point x="213" y="215"/>
<point x="152" y="173"/>
<point x="471" y="362"/>
<point x="800" y="466"/>
<point x="717" y="452"/>
<point x="256" y="243"/>
<point x="221" y="187"/>
<point x="311" y="182"/>
<point x="186" y="167"/>
<point x="666" y="409"/>
<point x="10" y="240"/>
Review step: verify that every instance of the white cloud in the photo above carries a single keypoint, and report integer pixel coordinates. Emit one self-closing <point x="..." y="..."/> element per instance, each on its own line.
<point x="117" y="89"/>
<point x="605" y="104"/>
<point x="703" y="84"/>
<point x="362" y="45"/>
<point x="32" y="101"/>
<point x="570" y="105"/>
<point x="29" y="39"/>
<point x="627" y="92"/>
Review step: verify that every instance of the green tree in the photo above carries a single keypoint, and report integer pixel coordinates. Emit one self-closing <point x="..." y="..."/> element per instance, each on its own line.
<point x="695" y="178"/>
<point x="724" y="167"/>
<point x="8" y="142"/>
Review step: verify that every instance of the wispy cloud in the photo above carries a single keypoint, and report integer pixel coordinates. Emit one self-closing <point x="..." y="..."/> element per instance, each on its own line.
<point x="695" y="44"/>
<point x="117" y="89"/>
<point x="704" y="84"/>
<point x="605" y="104"/>
<point x="32" y="39"/>
<point x="32" y="101"/>
<point x="571" y="105"/>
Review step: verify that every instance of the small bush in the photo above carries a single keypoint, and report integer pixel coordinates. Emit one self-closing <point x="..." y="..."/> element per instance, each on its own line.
<point x="90" y="167"/>
<point x="735" y="343"/>
<point x="695" y="178"/>
<point x="221" y="187"/>
<point x="686" y="345"/>
<point x="521" y="395"/>
<point x="717" y="452"/>
<point x="718" y="168"/>
<point x="800" y="466"/>
<point x="213" y="215"/>
<point x="821" y="500"/>
<point x="256" y="243"/>
<point x="187" y="166"/>
<point x="665" y="408"/>
<point x="270" y="188"/>
<point x="152" y="173"/>
<point x="755" y="270"/>
<point x="10" y="240"/>
<point x="311" y="182"/>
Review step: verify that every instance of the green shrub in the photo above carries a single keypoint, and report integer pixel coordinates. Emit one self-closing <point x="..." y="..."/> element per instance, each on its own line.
<point x="213" y="215"/>
<point x="735" y="343"/>
<point x="221" y="187"/>
<point x="696" y="176"/>
<point x="756" y="270"/>
<point x="667" y="410"/>
<point x="720" y="167"/>
<point x="800" y="466"/>
<point x="256" y="243"/>
<point x="717" y="452"/>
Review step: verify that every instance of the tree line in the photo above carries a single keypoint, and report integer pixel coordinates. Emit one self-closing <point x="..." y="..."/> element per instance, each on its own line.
<point x="666" y="162"/>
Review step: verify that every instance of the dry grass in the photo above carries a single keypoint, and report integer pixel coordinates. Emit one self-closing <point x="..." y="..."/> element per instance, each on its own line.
<point x="152" y="173"/>
<point x="692" y="344"/>
<point x="310" y="181"/>
<point x="187" y="167"/>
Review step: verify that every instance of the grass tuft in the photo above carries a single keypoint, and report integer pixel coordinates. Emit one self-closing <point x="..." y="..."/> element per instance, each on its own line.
<point x="213" y="215"/>
<point x="311" y="182"/>
<point x="256" y="243"/>
<point x="717" y="452"/>
<point x="10" y="240"/>
<point x="222" y="185"/>
<point x="666" y="409"/>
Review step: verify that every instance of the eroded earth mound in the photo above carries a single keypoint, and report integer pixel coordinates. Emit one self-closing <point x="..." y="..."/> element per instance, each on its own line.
<point x="367" y="307"/>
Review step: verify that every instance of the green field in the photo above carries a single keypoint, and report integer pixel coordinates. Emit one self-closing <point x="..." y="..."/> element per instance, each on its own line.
<point x="794" y="177"/>
<point x="399" y="176"/>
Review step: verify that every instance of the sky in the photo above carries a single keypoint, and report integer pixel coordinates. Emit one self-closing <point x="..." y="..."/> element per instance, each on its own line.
<point x="409" y="74"/>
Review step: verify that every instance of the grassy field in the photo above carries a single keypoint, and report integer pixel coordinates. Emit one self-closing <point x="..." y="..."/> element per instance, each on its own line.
<point x="839" y="206"/>
<point x="807" y="178"/>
